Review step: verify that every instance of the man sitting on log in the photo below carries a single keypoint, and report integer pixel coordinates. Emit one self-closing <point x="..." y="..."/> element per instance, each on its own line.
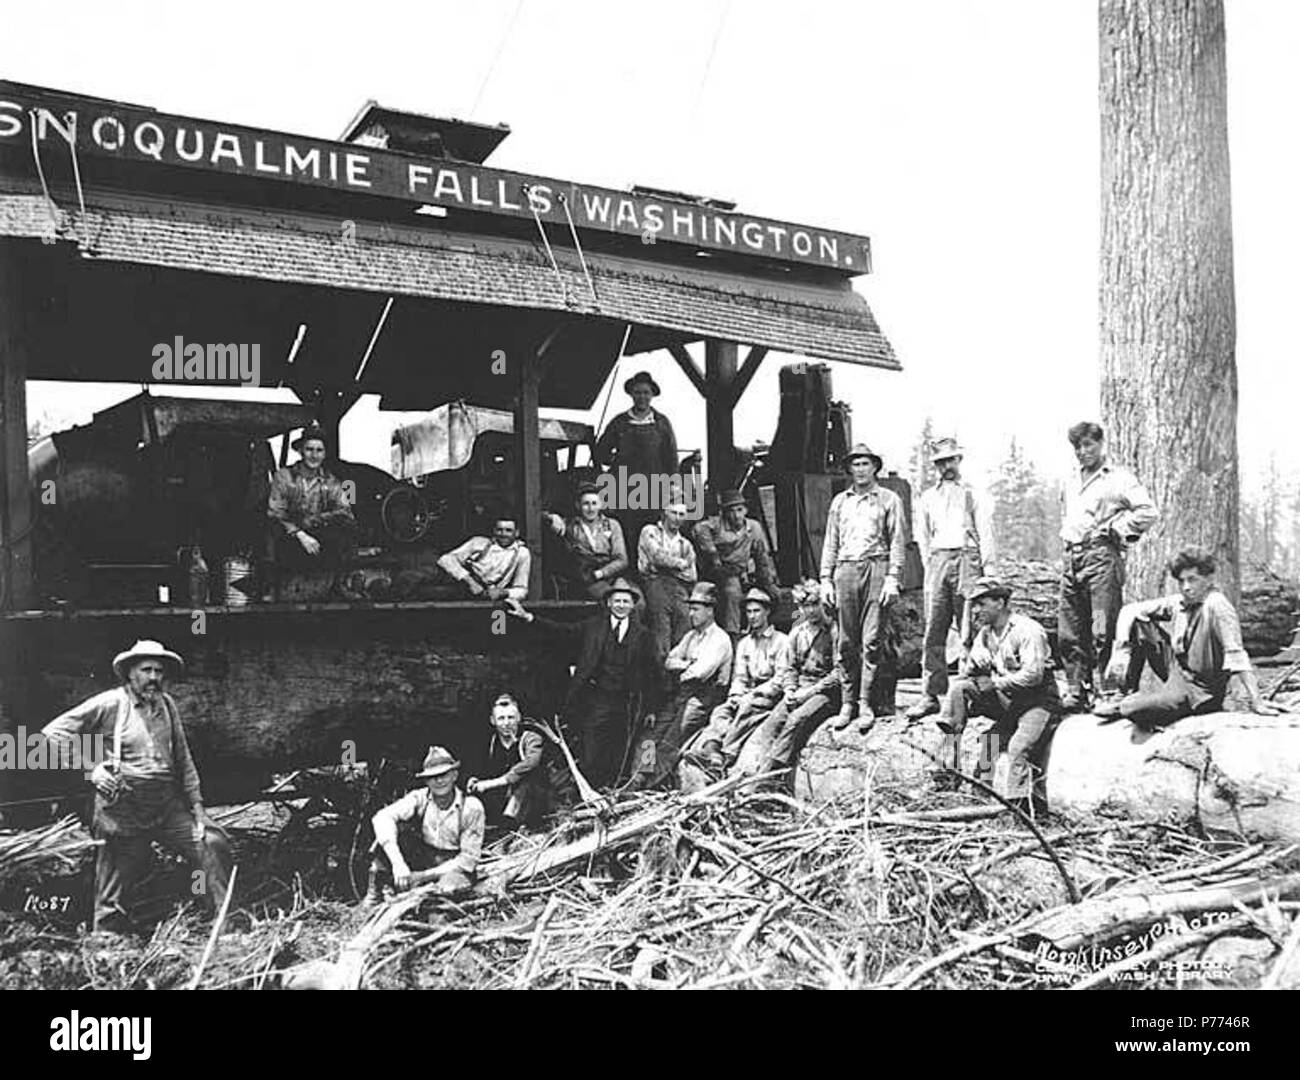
<point x="310" y="510"/>
<point x="757" y="680"/>
<point x="811" y="689"/>
<point x="443" y="842"/>
<point x="1009" y="679"/>
<point x="733" y="554"/>
<point x="517" y="791"/>
<point x="594" y="543"/>
<point x="491" y="569"/>
<point x="147" y="789"/>
<point x="1194" y="657"/>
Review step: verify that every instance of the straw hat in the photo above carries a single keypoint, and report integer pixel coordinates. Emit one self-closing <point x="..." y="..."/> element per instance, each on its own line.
<point x="145" y="649"/>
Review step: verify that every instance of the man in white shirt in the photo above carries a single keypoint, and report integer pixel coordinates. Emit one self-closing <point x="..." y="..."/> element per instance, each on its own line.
<point x="950" y="541"/>
<point x="492" y="569"/>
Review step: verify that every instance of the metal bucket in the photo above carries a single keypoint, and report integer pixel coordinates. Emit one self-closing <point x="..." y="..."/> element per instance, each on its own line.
<point x="237" y="575"/>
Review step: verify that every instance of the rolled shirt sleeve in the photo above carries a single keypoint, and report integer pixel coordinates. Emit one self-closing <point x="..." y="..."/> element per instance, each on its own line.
<point x="94" y="716"/>
<point x="714" y="654"/>
<point x="385" y="820"/>
<point x="1140" y="512"/>
<point x="517" y="589"/>
<point x="1228" y="625"/>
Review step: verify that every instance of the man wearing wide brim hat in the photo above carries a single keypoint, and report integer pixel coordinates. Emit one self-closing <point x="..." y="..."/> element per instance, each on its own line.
<point x="146" y="785"/>
<point x="699" y="669"/>
<point x="757" y="682"/>
<point x="862" y="563"/>
<point x="443" y="837"/>
<point x="312" y="526"/>
<point x="615" y="684"/>
<point x="1008" y="679"/>
<point x="948" y="533"/>
<point x="639" y="447"/>
<point x="734" y="555"/>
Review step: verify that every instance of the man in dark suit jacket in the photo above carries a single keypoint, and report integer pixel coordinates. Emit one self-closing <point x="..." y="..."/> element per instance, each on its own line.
<point x="614" y="676"/>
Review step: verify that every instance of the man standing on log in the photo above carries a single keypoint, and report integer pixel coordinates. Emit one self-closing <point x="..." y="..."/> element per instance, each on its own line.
<point x="1194" y="659"/>
<point x="1009" y="679"/>
<point x="148" y="789"/>
<point x="614" y="678"/>
<point x="862" y="562"/>
<point x="445" y="838"/>
<point x="1105" y="512"/>
<point x="950" y="541"/>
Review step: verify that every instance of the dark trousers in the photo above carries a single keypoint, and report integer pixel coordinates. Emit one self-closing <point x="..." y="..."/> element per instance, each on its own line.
<point x="666" y="615"/>
<point x="418" y="856"/>
<point x="1092" y="592"/>
<point x="692" y="706"/>
<point x="602" y="729"/>
<point x="124" y="859"/>
<point x="1020" y="723"/>
<point x="948" y="572"/>
<point x="862" y="625"/>
<point x="1176" y="697"/>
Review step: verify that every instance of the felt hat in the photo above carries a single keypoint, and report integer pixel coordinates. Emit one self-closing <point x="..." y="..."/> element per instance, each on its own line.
<point x="759" y="595"/>
<point x="641" y="377"/>
<point x="621" y="584"/>
<point x="730" y="497"/>
<point x="942" y="449"/>
<point x="704" y="592"/>
<point x="144" y="649"/>
<point x="989" y="586"/>
<point x="311" y="431"/>
<point x="859" y="450"/>
<point x="436" y="762"/>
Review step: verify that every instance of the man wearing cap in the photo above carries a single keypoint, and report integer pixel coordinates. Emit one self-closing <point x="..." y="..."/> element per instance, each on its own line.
<point x="666" y="561"/>
<point x="733" y="555"/>
<point x="147" y="789"/>
<point x="758" y="679"/>
<point x="1106" y="511"/>
<point x="516" y="790"/>
<point x="639" y="442"/>
<point x="1192" y="643"/>
<point x="310" y="510"/>
<point x="614" y="679"/>
<point x="1009" y="679"/>
<point x="700" y="667"/>
<point x="491" y="569"/>
<point x="950" y="541"/>
<point x="810" y="690"/>
<point x="443" y="842"/>
<point x="594" y="543"/>
<point x="862" y="562"/>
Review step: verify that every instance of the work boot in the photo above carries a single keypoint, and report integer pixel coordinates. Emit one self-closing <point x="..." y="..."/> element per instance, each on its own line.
<point x="1075" y="700"/>
<point x="847" y="712"/>
<point x="374" y="895"/>
<point x="866" y="716"/>
<point x="927" y="706"/>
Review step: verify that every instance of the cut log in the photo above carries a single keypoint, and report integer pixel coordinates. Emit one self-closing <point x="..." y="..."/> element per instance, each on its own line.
<point x="1230" y="772"/>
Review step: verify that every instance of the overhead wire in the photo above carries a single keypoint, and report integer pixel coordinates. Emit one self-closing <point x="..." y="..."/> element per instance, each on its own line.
<point x="501" y="45"/>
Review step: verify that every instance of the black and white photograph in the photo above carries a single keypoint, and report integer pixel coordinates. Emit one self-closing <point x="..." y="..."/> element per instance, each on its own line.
<point x="550" y="494"/>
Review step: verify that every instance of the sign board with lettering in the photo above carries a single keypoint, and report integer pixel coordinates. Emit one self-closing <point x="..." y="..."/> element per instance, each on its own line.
<point x="107" y="130"/>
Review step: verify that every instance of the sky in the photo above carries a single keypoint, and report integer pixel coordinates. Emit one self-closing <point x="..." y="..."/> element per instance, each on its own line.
<point x="962" y="136"/>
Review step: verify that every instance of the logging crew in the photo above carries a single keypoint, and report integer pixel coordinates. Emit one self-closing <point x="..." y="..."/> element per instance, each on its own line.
<point x="148" y="788"/>
<point x="443" y="838"/>
<point x="757" y="681"/>
<point x="1009" y="680"/>
<point x="700" y="667"/>
<point x="594" y="543"/>
<point x="812" y="684"/>
<point x="862" y="562"/>
<point x="950" y="541"/>
<point x="615" y="680"/>
<point x="310" y="510"/>
<point x="1106" y="511"/>
<point x="666" y="561"/>
<point x="516" y="791"/>
<point x="1192" y="642"/>
<point x="640" y="441"/>
<point x="492" y="569"/>
<point x="734" y="555"/>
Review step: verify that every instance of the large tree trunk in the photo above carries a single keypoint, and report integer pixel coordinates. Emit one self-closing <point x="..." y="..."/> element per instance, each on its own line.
<point x="1168" y="320"/>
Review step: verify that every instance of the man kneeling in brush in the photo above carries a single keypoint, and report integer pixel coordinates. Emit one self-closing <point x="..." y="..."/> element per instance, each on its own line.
<point x="446" y="847"/>
<point x="1194" y="659"/>
<point x="1009" y="679"/>
<point x="517" y="792"/>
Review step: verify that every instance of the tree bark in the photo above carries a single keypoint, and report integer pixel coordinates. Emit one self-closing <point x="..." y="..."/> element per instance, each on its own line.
<point x="1167" y="315"/>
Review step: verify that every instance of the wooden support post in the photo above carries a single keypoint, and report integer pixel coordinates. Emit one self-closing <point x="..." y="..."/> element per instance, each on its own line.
<point x="528" y="442"/>
<point x="689" y="367"/>
<point x="747" y="372"/>
<point x="720" y="381"/>
<point x="15" y="497"/>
